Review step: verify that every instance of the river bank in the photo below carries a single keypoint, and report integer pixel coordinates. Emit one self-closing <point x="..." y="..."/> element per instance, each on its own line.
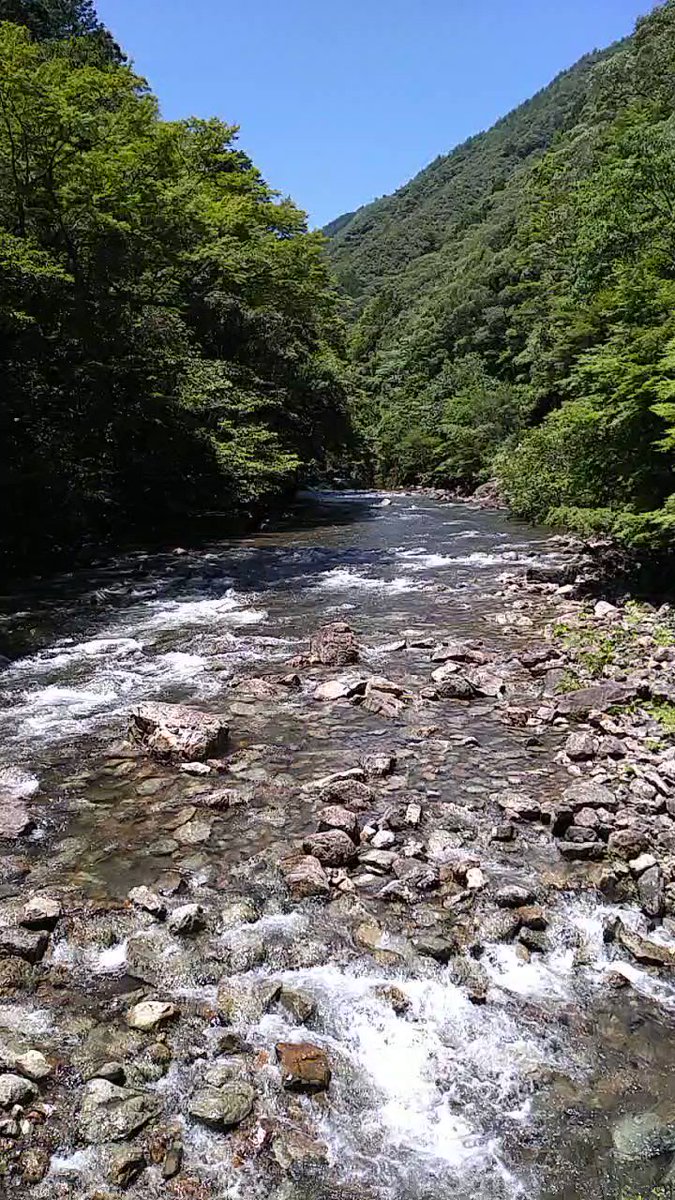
<point x="407" y="929"/>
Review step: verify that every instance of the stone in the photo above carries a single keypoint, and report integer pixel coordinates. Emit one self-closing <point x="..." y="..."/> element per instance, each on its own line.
<point x="643" y="1136"/>
<point x="588" y="794"/>
<point x="14" y="1089"/>
<point x="334" y="645"/>
<point x="604" y="609"/>
<point x="334" y="848"/>
<point x="379" y="861"/>
<point x="451" y="684"/>
<point x="176" y="731"/>
<point x="335" y="816"/>
<point x="112" y="1071"/>
<point x="518" y="804"/>
<point x="500" y="927"/>
<point x="582" y="851"/>
<point x="581" y="833"/>
<point x="652" y="892"/>
<point x="239" y="912"/>
<point x="294" y="1150"/>
<point x="195" y="832"/>
<point x="341" y="689"/>
<point x="382" y="701"/>
<point x="630" y="842"/>
<point x="597" y="698"/>
<point x="581" y="747"/>
<point x="436" y="946"/>
<point x="150" y="1014"/>
<point x="378" y="766"/>
<point x="305" y="876"/>
<point x="35" y="1163"/>
<point x="417" y="874"/>
<point x="15" y="820"/>
<point x="642" y="863"/>
<point x="413" y="815"/>
<point x="33" y="1065"/>
<point x="473" y="977"/>
<point x="41" y="912"/>
<point x="304" y="1067"/>
<point x="532" y="916"/>
<point x="384" y="839"/>
<point x="644" y="950"/>
<point x="513" y="896"/>
<point x="109" y="1113"/>
<point x="534" y="939"/>
<point x="486" y="682"/>
<point x="187" y="919"/>
<point x="300" y="1004"/>
<point x="222" y="1108"/>
<point x="125" y="1164"/>
<point x="24" y="943"/>
<point x="173" y="1160"/>
<point x="150" y="902"/>
<point x="475" y="879"/>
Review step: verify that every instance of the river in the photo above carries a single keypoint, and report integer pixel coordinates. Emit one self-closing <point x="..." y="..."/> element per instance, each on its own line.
<point x="545" y="1084"/>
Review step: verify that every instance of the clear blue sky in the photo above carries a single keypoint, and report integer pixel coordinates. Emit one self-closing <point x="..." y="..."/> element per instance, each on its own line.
<point x="340" y="103"/>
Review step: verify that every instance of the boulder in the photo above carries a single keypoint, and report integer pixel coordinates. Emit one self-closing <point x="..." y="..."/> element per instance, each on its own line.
<point x="125" y="1164"/>
<point x="436" y="946"/>
<point x="176" y="731"/>
<point x="109" y="1113"/>
<point x="14" y="1089"/>
<point x="383" y="698"/>
<point x="305" y="876"/>
<point x="518" y="804"/>
<point x="335" y="816"/>
<point x="581" y="747"/>
<point x="597" y="698"/>
<point x="334" y="848"/>
<point x="629" y="842"/>
<point x="587" y="794"/>
<point x="41" y="912"/>
<point x="652" y="892"/>
<point x="224" y="1107"/>
<point x="334" y="645"/>
<point x="304" y="1066"/>
<point x="378" y="766"/>
<point x="582" y="851"/>
<point x="513" y="896"/>
<point x="33" y="1065"/>
<point x="300" y="1004"/>
<point x="486" y="682"/>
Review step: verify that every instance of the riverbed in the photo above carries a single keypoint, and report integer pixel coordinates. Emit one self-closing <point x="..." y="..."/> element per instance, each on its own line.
<point x="515" y="1066"/>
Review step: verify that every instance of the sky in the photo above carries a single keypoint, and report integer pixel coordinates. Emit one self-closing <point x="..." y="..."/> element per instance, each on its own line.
<point x="341" y="103"/>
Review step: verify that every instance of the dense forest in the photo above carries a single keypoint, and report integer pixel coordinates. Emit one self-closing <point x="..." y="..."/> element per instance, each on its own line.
<point x="169" y="333"/>
<point x="513" y="307"/>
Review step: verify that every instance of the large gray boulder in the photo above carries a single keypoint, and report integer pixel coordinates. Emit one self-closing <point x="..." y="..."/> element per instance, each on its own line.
<point x="176" y="731"/>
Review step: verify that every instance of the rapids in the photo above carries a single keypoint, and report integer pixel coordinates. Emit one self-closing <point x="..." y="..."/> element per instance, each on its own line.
<point x="536" y="1092"/>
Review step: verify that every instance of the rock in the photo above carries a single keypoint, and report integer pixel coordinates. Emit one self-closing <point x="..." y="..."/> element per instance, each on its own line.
<point x="304" y="1066"/>
<point x="629" y="842"/>
<point x="334" y="645"/>
<point x="112" y="1071"/>
<point x="334" y="816"/>
<point x="643" y="1136"/>
<point x="384" y="839"/>
<point x="417" y="874"/>
<point x="14" y="1089"/>
<point x="518" y="804"/>
<point x="41" y="912"/>
<point x="603" y="609"/>
<point x="109" y="1113"/>
<point x="581" y="747"/>
<point x="597" y="698"/>
<point x="642" y="863"/>
<point x="298" y="1003"/>
<point x="505" y="832"/>
<point x="378" y="766"/>
<point x="305" y="876"/>
<point x="239" y="912"/>
<point x="341" y="689"/>
<point x="35" y="1164"/>
<point x="33" y="1065"/>
<point x="224" y="1107"/>
<point x="382" y="701"/>
<point x="413" y="815"/>
<point x="173" y="1160"/>
<point x="652" y="892"/>
<point x="486" y="682"/>
<point x="534" y="939"/>
<point x="125" y="1164"/>
<point x="533" y="917"/>
<point x="150" y="902"/>
<point x="500" y="927"/>
<point x="379" y="861"/>
<point x="395" y="997"/>
<point x="513" y="896"/>
<point x="473" y="977"/>
<point x="187" y="919"/>
<point x="475" y="879"/>
<point x="195" y="832"/>
<point x="195" y="768"/>
<point x="581" y="833"/>
<point x="24" y="943"/>
<point x="643" y="949"/>
<point x="149" y="1014"/>
<point x="15" y="819"/>
<point x="582" y="851"/>
<point x="451" y="684"/>
<point x="294" y="1150"/>
<point x="334" y="848"/>
<point x="176" y="731"/>
<point x="587" y="794"/>
<point x="436" y="946"/>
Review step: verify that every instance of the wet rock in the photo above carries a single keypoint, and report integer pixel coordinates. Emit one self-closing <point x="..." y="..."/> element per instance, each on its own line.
<point x="173" y="1160"/>
<point x="125" y="1164"/>
<point x="350" y="793"/>
<point x="300" y="1004"/>
<point x="436" y="946"/>
<point x="341" y="689"/>
<point x="112" y="1071"/>
<point x="383" y="701"/>
<point x="304" y="1066"/>
<point x="581" y="747"/>
<point x="13" y="869"/>
<point x="35" y="1162"/>
<point x="295" y="1149"/>
<point x="384" y="839"/>
<point x="395" y="997"/>
<point x="176" y="731"/>
<point x="109" y="1113"/>
<point x="470" y="975"/>
<point x="379" y="861"/>
<point x="452" y="685"/>
<point x="33" y="1065"/>
<point x="222" y="1108"/>
<point x="378" y="766"/>
<point x="15" y="1089"/>
<point x="15" y="820"/>
<point x="505" y="832"/>
<point x="518" y="805"/>
<point x="500" y="927"/>
<point x="581" y="833"/>
<point x="24" y="943"/>
<point x="533" y="917"/>
<point x="41" y="912"/>
<point x="643" y="949"/>
<point x="486" y="682"/>
<point x="195" y="832"/>
<point x="629" y="842"/>
<point x="513" y="896"/>
<point x="598" y="698"/>
<point x="260" y="687"/>
<point x="643" y="1136"/>
<point x="334" y="848"/>
<point x="150" y="1014"/>
<point x="582" y="851"/>
<point x="334" y="816"/>
<point x="534" y="939"/>
<point x="305" y="876"/>
<point x="417" y="874"/>
<point x="239" y="912"/>
<point x="588" y="794"/>
<point x="334" y="645"/>
<point x="189" y="918"/>
<point x="652" y="892"/>
<point x="148" y="901"/>
<point x="413" y="815"/>
<point x="642" y="863"/>
<point x="15" y="974"/>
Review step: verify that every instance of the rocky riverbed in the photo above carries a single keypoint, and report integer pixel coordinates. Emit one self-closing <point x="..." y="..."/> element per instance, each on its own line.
<point x="338" y="861"/>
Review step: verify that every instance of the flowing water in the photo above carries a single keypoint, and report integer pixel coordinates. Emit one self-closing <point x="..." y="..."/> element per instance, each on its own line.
<point x="541" y="1091"/>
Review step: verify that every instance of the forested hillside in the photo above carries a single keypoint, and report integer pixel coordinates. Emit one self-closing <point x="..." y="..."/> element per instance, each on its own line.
<point x="169" y="338"/>
<point x="514" y="305"/>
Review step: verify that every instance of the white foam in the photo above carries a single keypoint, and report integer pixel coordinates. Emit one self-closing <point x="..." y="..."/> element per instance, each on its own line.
<point x="342" y="579"/>
<point x="17" y="783"/>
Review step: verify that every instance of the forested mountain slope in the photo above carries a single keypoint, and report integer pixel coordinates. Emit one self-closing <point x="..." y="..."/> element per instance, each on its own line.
<point x="169" y="334"/>
<point x="514" y="305"/>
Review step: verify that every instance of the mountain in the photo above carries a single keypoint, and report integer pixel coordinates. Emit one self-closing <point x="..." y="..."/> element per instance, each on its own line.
<point x="512" y="306"/>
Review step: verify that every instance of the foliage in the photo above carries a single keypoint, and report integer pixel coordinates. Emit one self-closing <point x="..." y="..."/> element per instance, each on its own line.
<point x="515" y="303"/>
<point x="168" y="328"/>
